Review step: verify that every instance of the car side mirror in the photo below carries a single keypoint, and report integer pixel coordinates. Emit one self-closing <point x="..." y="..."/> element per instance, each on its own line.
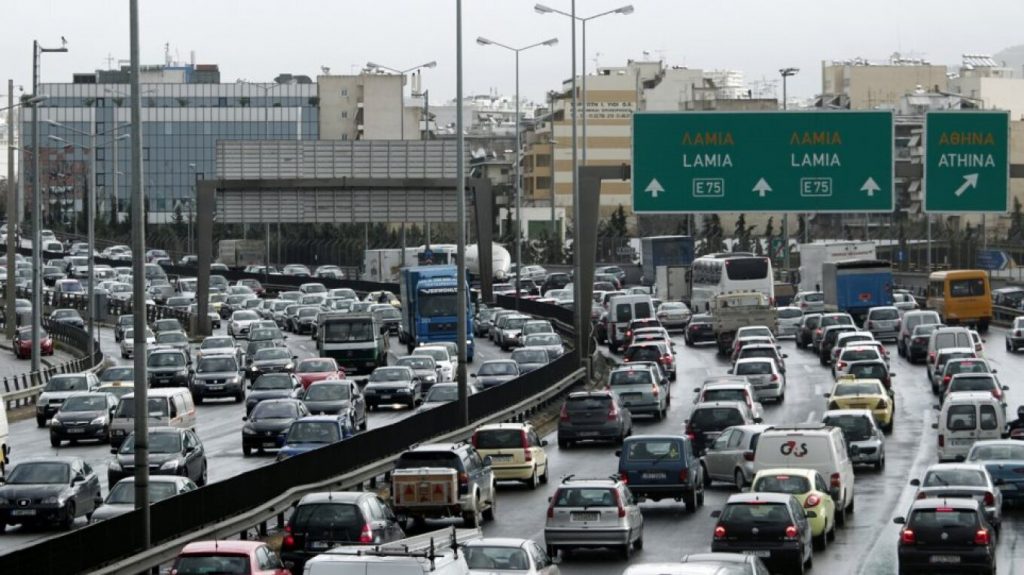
<point x="729" y="372"/>
<point x="758" y="420"/>
<point x="785" y="355"/>
<point x="716" y="513"/>
<point x="78" y="479"/>
<point x="618" y="453"/>
<point x="488" y="462"/>
<point x="543" y="442"/>
<point x="935" y="426"/>
<point x="245" y="418"/>
<point x="915" y="482"/>
<point x="899" y="520"/>
<point x="826" y="394"/>
<point x="937" y="407"/>
<point x="472" y="374"/>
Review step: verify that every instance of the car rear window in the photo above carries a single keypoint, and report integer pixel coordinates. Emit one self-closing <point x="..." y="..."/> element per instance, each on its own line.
<point x="630" y="377"/>
<point x="588" y="403"/>
<point x="996" y="452"/>
<point x="884" y="314"/>
<point x="947" y="477"/>
<point x="756" y="352"/>
<point x="961" y="418"/>
<point x="643" y="353"/>
<point x="724" y="395"/>
<point x="716" y="417"/>
<point x="942" y="518"/>
<point x="498" y="439"/>
<point x="792" y="484"/>
<point x="857" y="389"/>
<point x="859" y="354"/>
<point x="753" y="368"/>
<point x="814" y="297"/>
<point x="956" y="367"/>
<point x="869" y="370"/>
<point x="789" y="313"/>
<point x="214" y="563"/>
<point x="584" y="497"/>
<point x="654" y="449"/>
<point x="343" y="521"/>
<point x="971" y="384"/>
<point x="754" y="513"/>
<point x="854" y="427"/>
<point x="429" y="459"/>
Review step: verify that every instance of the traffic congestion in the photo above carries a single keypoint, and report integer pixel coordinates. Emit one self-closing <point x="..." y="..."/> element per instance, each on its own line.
<point x="769" y="435"/>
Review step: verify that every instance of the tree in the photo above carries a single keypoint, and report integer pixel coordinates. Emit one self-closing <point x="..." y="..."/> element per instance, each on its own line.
<point x="769" y="229"/>
<point x="713" y="237"/>
<point x="617" y="223"/>
<point x="801" y="227"/>
<point x="178" y="220"/>
<point x="742" y="235"/>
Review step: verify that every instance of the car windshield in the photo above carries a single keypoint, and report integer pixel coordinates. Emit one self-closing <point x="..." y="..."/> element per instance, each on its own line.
<point x="585" y="497"/>
<point x="313" y="432"/>
<point x="854" y="427"/>
<point x="437" y="354"/>
<point x="654" y="449"/>
<point x="171" y="337"/>
<point x="716" y="417"/>
<point x="442" y="393"/>
<point x="530" y="356"/>
<point x="275" y="410"/>
<point x="386" y="374"/>
<point x="308" y="312"/>
<point x="158" y="443"/>
<point x="124" y="492"/>
<point x="630" y="377"/>
<point x="244" y="315"/>
<point x="67" y="383"/>
<point x="272" y="353"/>
<point x="498" y="368"/>
<point x="543" y="339"/>
<point x="999" y="452"/>
<point x="274" y="381"/>
<point x="217" y="364"/>
<point x="792" y="484"/>
<point x="166" y="360"/>
<point x="884" y="314"/>
<point x="754" y="368"/>
<point x="85" y="403"/>
<point x="416" y="362"/>
<point x="126" y="407"/>
<point x="847" y="389"/>
<point x="118" y="374"/>
<point x="327" y="392"/>
<point x="946" y="477"/>
<point x="493" y="558"/>
<point x="499" y="439"/>
<point x="219" y="563"/>
<point x="315" y="366"/>
<point x="65" y="313"/>
<point x="341" y="330"/>
<point x="724" y="395"/>
<point x="39" y="472"/>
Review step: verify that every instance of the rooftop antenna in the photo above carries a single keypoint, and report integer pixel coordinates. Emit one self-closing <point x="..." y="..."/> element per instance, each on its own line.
<point x="326" y="70"/>
<point x="596" y="56"/>
<point x="167" y="53"/>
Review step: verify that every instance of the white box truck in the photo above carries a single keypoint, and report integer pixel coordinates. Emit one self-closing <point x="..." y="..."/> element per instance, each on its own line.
<point x="813" y="256"/>
<point x="671" y="283"/>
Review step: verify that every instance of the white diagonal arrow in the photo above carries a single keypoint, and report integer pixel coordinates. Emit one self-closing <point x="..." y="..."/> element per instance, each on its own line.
<point x="761" y="187"/>
<point x="654" y="188"/>
<point x="970" y="181"/>
<point x="870" y="186"/>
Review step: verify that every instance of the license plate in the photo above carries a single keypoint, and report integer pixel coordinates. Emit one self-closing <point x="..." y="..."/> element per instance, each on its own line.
<point x="386" y="396"/>
<point x="319" y="544"/>
<point x="23" y="512"/>
<point x="653" y="476"/>
<point x="163" y="380"/>
<point x="215" y="387"/>
<point x="948" y="559"/>
<point x="76" y="430"/>
<point x="759" y="553"/>
<point x="588" y="433"/>
<point x="584" y="516"/>
<point x="961" y="442"/>
<point x="501" y="458"/>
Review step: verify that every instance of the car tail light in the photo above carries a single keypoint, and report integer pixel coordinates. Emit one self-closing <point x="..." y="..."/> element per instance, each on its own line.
<point x="833" y="405"/>
<point x="817" y="331"/>
<point x="881" y="404"/>
<point x="625" y="360"/>
<point x="624" y="477"/>
<point x="836" y="481"/>
<point x="931" y="357"/>
<point x="527" y="454"/>
<point x="1016" y="333"/>
<point x="997" y="393"/>
<point x="922" y="495"/>
<point x="842" y="365"/>
<point x="775" y="377"/>
<point x="472" y="440"/>
<point x="463" y="479"/>
<point x="871" y="324"/>
<point x="666" y="359"/>
<point x="719" y="532"/>
<point x="689" y="432"/>
<point x="290" y="541"/>
<point x="907" y="537"/>
<point x="812" y="501"/>
<point x="791" y="532"/>
<point x="366" y="534"/>
<point x="613" y="412"/>
<point x="946" y="379"/>
<point x="684" y="475"/>
<point x="803" y="305"/>
<point x="942" y="440"/>
<point x="564" y="414"/>
<point x="551" y="509"/>
<point x="981" y="537"/>
<point x="748" y="455"/>
<point x="618" y="503"/>
<point x="990" y="499"/>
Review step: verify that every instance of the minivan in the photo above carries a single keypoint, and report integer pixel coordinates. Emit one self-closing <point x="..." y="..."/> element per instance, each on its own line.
<point x="966" y="417"/>
<point x="948" y="337"/>
<point x="168" y="407"/>
<point x="621" y="310"/>
<point x="811" y="446"/>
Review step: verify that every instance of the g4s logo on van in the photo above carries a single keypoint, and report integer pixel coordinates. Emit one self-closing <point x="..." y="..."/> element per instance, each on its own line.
<point x="792" y="448"/>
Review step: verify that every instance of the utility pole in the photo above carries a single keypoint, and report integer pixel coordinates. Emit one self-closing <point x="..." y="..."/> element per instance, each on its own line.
<point x="12" y="216"/>
<point x="460" y="203"/>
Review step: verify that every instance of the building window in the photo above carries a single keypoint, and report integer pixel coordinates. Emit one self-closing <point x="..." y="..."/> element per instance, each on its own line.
<point x="344" y="92"/>
<point x="101" y="179"/>
<point x="222" y="102"/>
<point x="101" y="102"/>
<point x="101" y="127"/>
<point x="100" y="154"/>
<point x="344" y="136"/>
<point x="344" y="114"/>
<point x="145" y="153"/>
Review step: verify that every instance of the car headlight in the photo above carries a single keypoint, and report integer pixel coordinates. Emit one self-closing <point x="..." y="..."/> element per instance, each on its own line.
<point x="115" y="466"/>
<point x="52" y="500"/>
<point x="248" y="431"/>
<point x="101" y="420"/>
<point x="55" y="422"/>
<point x="290" y="366"/>
<point x="430" y="378"/>
<point x="170" y="465"/>
<point x="254" y="369"/>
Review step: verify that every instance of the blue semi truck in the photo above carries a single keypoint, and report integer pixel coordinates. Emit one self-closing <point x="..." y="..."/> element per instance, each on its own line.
<point x="855" y="286"/>
<point x="430" y="307"/>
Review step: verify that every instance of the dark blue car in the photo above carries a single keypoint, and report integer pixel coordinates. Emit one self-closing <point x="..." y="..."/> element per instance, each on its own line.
<point x="314" y="432"/>
<point x="660" y="467"/>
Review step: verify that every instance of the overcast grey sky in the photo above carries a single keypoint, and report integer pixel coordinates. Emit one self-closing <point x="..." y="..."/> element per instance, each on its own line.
<point x="258" y="39"/>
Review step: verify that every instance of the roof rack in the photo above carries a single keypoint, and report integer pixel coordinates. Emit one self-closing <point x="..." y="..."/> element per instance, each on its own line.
<point x="798" y="427"/>
<point x="572" y="477"/>
<point x="429" y="546"/>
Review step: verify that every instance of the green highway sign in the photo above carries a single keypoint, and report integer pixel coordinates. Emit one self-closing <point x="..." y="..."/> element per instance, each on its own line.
<point x="967" y="161"/>
<point x="762" y="162"/>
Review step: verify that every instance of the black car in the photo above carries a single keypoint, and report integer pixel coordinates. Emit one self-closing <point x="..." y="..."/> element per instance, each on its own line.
<point x="123" y="322"/>
<point x="709" y="419"/>
<point x="270" y="360"/>
<point x="67" y="316"/>
<point x="946" y="536"/>
<point x="254" y="347"/>
<point x="917" y="350"/>
<point x="168" y="368"/>
<point x="83" y="416"/>
<point x="51" y="274"/>
<point x="267" y="423"/>
<point x="771" y="526"/>
<point x="424" y="367"/>
<point x="323" y="521"/>
<point x="555" y="281"/>
<point x="172" y="451"/>
<point x="805" y="333"/>
<point x="49" y="490"/>
<point x="273" y="386"/>
<point x="699" y="330"/>
<point x="304" y="320"/>
<point x="339" y="397"/>
<point x="167" y="324"/>
<point x="391" y="385"/>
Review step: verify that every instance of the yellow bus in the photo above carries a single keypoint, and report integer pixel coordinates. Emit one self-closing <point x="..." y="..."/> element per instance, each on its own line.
<point x="961" y="297"/>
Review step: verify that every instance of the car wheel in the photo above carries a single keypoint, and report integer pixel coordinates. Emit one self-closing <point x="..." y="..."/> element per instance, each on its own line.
<point x="831" y="533"/>
<point x="552" y="551"/>
<point x="202" y="476"/>
<point x="54" y="441"/>
<point x="880" y="464"/>
<point x="1009" y="347"/>
<point x="533" y="481"/>
<point x="471" y="518"/>
<point x="69" y="516"/>
<point x="820" y="541"/>
<point x="40" y="421"/>
<point x="563" y="444"/>
<point x="491" y="512"/>
<point x="706" y="478"/>
<point x="246" y="450"/>
<point x="239" y="397"/>
<point x="739" y="480"/>
<point x="690" y="499"/>
<point x="544" y="476"/>
<point x="626" y="551"/>
<point x="639" y="543"/>
<point x="197" y="399"/>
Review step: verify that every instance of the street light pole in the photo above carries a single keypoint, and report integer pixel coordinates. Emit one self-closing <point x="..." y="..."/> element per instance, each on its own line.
<point x="786" y="73"/>
<point x="37" y="209"/>
<point x="460" y="204"/>
<point x="12" y="215"/>
<point x="519" y="180"/>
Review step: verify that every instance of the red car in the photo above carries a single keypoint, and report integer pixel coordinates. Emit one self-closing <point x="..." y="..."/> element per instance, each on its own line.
<point x="227" y="556"/>
<point x="317" y="369"/>
<point x="23" y="343"/>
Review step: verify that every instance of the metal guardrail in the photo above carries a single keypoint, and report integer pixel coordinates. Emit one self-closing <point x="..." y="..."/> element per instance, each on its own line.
<point x="21" y="390"/>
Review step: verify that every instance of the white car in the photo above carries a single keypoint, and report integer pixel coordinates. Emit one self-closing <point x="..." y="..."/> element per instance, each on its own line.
<point x="241" y="322"/>
<point x="788" y="321"/>
<point x="128" y="342"/>
<point x="853" y="353"/>
<point x="445" y="365"/>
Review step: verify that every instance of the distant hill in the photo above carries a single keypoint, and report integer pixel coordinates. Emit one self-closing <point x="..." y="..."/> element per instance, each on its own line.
<point x="1012" y="57"/>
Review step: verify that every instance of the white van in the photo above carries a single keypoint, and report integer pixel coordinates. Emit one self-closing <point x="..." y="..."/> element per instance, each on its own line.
<point x="811" y="446"/>
<point x="623" y="309"/>
<point x="966" y="417"/>
<point x="5" y="447"/>
<point x="168" y="407"/>
<point x="430" y="553"/>
<point x="947" y="337"/>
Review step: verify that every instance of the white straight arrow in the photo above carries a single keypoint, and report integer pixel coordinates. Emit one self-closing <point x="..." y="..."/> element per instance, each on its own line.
<point x="870" y="186"/>
<point x="970" y="181"/>
<point x="761" y="187"/>
<point x="654" y="188"/>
